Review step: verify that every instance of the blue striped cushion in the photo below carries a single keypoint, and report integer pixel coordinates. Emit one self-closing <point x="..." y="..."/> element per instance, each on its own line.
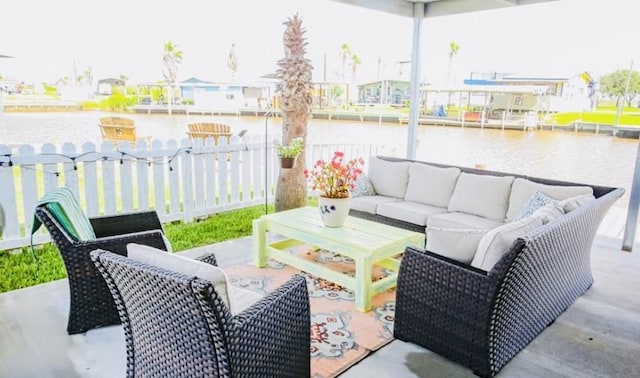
<point x="64" y="206"/>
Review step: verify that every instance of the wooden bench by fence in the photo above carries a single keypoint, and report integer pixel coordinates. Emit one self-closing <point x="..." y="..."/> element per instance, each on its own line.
<point x="204" y="130"/>
<point x="118" y="129"/>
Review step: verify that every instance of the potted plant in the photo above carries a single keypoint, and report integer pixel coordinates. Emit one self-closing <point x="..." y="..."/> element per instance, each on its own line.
<point x="288" y="153"/>
<point x="334" y="180"/>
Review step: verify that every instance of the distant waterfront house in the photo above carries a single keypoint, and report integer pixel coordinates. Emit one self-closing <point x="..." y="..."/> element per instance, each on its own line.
<point x="387" y="92"/>
<point x="220" y="95"/>
<point x="573" y="93"/>
<point x="107" y="85"/>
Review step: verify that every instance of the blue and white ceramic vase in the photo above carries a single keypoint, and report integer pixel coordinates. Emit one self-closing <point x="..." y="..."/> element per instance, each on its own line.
<point x="334" y="211"/>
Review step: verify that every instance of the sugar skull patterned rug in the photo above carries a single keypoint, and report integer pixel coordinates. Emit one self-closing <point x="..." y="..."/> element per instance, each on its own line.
<point x="340" y="335"/>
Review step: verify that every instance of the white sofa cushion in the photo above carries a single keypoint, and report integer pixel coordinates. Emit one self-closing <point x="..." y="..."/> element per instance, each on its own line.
<point x="549" y="212"/>
<point x="430" y="184"/>
<point x="370" y="203"/>
<point x="495" y="243"/>
<point x="523" y="189"/>
<point x="412" y="212"/>
<point x="454" y="243"/>
<point x="573" y="203"/>
<point x="389" y="178"/>
<point x="461" y="221"/>
<point x="483" y="195"/>
<point x="236" y="299"/>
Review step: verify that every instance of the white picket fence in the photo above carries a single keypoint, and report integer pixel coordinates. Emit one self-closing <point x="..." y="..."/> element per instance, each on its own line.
<point x="178" y="180"/>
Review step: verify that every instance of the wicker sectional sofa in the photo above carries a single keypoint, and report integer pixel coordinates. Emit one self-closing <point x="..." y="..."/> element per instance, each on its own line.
<point x="519" y="259"/>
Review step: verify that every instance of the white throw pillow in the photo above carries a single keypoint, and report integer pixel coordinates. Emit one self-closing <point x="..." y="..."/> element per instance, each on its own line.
<point x="549" y="212"/>
<point x="523" y="189"/>
<point x="389" y="178"/>
<point x="495" y="243"/>
<point x="573" y="203"/>
<point x="182" y="264"/>
<point x="454" y="243"/>
<point x="483" y="195"/>
<point x="536" y="201"/>
<point x="430" y="184"/>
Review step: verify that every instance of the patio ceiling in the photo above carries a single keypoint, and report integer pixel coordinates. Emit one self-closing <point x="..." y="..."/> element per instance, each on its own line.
<point x="435" y="8"/>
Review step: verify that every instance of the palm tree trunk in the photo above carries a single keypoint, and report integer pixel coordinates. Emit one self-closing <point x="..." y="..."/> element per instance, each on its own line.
<point x="291" y="188"/>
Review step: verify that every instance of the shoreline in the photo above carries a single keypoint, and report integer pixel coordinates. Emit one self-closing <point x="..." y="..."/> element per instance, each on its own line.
<point x="364" y="115"/>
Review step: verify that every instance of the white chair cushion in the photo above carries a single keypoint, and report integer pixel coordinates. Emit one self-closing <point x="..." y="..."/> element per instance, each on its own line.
<point x="241" y="298"/>
<point x="454" y="243"/>
<point x="523" y="189"/>
<point x="370" y="203"/>
<point x="573" y="203"/>
<point x="412" y="212"/>
<point x="182" y="264"/>
<point x="483" y="195"/>
<point x="430" y="184"/>
<point x="389" y="178"/>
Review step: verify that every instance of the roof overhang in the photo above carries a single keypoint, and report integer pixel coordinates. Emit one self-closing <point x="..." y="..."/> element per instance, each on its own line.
<point x="513" y="89"/>
<point x="436" y="8"/>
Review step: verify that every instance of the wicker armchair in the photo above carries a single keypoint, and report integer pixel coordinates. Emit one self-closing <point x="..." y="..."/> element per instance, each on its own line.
<point x="483" y="319"/>
<point x="178" y="326"/>
<point x="91" y="304"/>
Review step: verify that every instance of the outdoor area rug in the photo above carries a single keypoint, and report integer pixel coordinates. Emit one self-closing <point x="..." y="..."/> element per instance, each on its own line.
<point x="340" y="335"/>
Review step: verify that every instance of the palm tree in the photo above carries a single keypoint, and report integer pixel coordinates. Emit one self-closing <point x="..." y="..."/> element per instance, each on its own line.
<point x="454" y="48"/>
<point x="354" y="64"/>
<point x="345" y="53"/>
<point x="294" y="71"/>
<point x="232" y="62"/>
<point x="171" y="59"/>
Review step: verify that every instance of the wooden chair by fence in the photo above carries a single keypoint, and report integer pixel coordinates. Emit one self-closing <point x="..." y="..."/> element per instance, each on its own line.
<point x="204" y="130"/>
<point x="118" y="129"/>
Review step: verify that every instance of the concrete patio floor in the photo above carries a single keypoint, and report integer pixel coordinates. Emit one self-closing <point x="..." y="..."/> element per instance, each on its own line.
<point x="598" y="336"/>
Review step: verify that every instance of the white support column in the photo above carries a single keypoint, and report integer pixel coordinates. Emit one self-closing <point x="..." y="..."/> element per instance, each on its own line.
<point x="632" y="212"/>
<point x="412" y="128"/>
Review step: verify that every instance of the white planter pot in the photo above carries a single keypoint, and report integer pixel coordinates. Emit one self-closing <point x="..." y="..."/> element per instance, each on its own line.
<point x="334" y="211"/>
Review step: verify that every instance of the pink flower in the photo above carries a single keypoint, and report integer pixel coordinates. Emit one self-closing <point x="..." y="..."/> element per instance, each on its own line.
<point x="335" y="178"/>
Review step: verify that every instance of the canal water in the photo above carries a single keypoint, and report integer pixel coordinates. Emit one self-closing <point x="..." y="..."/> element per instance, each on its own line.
<point x="563" y="155"/>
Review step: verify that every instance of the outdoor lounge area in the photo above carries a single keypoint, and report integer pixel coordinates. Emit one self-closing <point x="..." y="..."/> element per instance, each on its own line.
<point x="599" y="335"/>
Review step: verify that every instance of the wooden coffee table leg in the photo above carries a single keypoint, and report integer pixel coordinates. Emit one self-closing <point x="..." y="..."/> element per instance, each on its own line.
<point x="364" y="267"/>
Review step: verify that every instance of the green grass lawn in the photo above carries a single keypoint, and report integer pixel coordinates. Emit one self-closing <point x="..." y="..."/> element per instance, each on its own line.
<point x="602" y="116"/>
<point x="21" y="270"/>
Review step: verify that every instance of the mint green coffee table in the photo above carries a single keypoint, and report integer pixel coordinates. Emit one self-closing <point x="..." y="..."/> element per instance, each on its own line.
<point x="368" y="243"/>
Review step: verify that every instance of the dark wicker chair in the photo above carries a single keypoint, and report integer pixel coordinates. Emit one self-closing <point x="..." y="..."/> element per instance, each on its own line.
<point x="177" y="326"/>
<point x="483" y="319"/>
<point x="91" y="304"/>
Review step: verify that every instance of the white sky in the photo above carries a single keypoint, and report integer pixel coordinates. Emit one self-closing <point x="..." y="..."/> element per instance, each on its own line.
<point x="557" y="39"/>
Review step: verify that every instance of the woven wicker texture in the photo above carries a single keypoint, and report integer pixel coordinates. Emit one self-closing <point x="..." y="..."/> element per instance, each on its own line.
<point x="483" y="319"/>
<point x="91" y="304"/>
<point x="177" y="326"/>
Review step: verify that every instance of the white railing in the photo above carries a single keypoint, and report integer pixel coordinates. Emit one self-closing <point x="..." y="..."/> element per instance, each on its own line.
<point x="188" y="181"/>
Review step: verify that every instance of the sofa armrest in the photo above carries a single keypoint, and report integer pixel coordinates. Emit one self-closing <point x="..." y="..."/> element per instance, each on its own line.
<point x="444" y="305"/>
<point x="118" y="243"/>
<point x="125" y="223"/>
<point x="276" y="328"/>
